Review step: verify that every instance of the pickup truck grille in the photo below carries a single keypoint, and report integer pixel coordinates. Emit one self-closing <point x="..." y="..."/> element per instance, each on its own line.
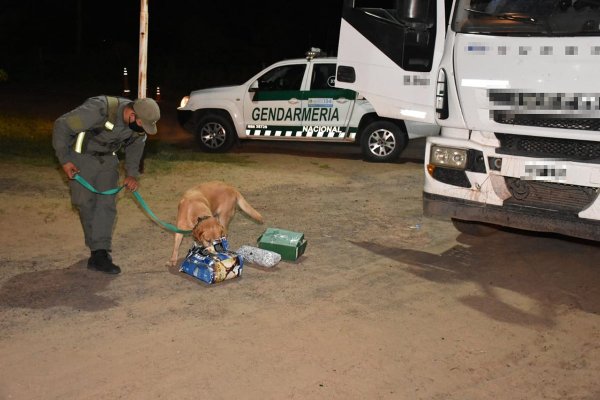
<point x="549" y="196"/>
<point x="540" y="147"/>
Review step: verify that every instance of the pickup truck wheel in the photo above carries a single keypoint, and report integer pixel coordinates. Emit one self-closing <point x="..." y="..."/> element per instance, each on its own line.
<point x="474" y="228"/>
<point x="215" y="134"/>
<point x="382" y="141"/>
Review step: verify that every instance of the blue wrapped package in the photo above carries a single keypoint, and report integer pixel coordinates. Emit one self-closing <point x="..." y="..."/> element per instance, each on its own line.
<point x="212" y="264"/>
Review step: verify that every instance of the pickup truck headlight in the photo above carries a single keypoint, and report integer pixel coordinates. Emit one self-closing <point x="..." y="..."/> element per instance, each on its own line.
<point x="448" y="157"/>
<point x="184" y="101"/>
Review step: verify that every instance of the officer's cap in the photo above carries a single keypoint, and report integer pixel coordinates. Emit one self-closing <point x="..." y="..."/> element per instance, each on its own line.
<point x="148" y="112"/>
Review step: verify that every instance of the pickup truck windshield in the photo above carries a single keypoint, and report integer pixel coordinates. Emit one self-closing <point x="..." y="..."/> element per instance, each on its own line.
<point x="528" y="17"/>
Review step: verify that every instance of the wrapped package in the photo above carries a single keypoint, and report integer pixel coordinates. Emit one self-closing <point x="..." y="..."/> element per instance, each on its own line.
<point x="289" y="244"/>
<point x="258" y="256"/>
<point x="212" y="264"/>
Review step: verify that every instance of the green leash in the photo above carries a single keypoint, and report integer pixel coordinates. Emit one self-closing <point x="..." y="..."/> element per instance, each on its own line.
<point x="140" y="200"/>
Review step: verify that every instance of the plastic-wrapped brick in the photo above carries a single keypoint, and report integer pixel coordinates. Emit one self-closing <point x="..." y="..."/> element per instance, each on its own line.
<point x="261" y="257"/>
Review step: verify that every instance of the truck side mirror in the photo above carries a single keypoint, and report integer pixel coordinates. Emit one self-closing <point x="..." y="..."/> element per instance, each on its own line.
<point x="415" y="11"/>
<point x="346" y="74"/>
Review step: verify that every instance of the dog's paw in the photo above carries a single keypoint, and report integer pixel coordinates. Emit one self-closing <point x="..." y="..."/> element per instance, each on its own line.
<point x="170" y="263"/>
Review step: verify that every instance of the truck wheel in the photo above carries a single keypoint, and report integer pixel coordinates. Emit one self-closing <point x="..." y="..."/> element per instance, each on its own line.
<point x="215" y="134"/>
<point x="473" y="228"/>
<point x="382" y="141"/>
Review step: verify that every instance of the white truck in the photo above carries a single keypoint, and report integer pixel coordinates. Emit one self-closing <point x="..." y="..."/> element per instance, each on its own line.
<point x="295" y="100"/>
<point x="515" y="87"/>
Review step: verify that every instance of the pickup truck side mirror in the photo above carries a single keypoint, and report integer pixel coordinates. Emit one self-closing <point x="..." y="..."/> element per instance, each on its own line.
<point x="254" y="87"/>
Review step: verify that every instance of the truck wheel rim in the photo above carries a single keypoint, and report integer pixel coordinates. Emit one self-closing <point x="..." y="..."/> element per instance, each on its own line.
<point x="213" y="135"/>
<point x="382" y="142"/>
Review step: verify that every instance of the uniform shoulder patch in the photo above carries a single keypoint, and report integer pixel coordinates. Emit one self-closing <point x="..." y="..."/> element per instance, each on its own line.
<point x="75" y="123"/>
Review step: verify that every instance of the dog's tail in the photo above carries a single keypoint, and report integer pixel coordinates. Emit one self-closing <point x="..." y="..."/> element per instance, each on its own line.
<point x="248" y="209"/>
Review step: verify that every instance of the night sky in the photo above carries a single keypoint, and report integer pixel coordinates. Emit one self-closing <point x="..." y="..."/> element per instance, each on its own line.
<point x="192" y="44"/>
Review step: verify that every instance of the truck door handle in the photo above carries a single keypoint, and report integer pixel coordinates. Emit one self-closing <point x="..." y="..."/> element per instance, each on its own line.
<point x="341" y="100"/>
<point x="293" y="100"/>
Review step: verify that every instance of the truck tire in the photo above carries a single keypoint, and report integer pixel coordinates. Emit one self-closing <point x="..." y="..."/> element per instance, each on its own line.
<point x="382" y="141"/>
<point x="215" y="133"/>
<point x="473" y="228"/>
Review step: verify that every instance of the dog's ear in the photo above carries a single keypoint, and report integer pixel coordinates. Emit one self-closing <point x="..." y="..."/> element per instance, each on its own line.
<point x="197" y="233"/>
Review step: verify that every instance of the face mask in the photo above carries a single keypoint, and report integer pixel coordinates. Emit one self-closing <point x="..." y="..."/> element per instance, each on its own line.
<point x="135" y="127"/>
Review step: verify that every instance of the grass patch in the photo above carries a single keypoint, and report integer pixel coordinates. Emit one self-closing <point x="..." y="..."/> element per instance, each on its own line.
<point x="322" y="166"/>
<point x="29" y="127"/>
<point x="28" y="140"/>
<point x="162" y="157"/>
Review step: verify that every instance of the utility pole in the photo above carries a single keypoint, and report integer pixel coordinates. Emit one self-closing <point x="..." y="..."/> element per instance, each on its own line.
<point x="143" y="61"/>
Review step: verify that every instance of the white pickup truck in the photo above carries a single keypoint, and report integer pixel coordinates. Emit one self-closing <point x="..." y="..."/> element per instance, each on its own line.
<point x="295" y="100"/>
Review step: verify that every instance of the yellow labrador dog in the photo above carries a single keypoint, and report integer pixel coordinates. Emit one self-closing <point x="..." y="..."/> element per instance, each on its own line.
<point x="208" y="209"/>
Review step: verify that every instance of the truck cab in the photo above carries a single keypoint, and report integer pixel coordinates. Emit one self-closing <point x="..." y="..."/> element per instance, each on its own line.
<point x="513" y="85"/>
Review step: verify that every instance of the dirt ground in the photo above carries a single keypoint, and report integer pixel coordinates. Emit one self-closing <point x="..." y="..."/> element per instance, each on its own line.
<point x="385" y="304"/>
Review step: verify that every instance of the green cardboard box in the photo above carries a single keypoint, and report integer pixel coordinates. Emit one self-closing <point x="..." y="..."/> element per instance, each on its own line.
<point x="290" y="245"/>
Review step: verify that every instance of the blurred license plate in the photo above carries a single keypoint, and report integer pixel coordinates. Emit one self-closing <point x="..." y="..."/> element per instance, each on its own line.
<point x="545" y="171"/>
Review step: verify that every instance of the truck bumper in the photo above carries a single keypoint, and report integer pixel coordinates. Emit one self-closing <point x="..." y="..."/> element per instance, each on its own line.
<point x="525" y="218"/>
<point x="183" y="117"/>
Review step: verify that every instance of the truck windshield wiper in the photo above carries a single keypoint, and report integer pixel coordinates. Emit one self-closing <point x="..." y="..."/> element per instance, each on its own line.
<point x="387" y="17"/>
<point x="511" y="17"/>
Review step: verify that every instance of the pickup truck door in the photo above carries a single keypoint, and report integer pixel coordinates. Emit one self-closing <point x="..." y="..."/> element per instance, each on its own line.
<point x="273" y="106"/>
<point x="327" y="109"/>
<point x="391" y="55"/>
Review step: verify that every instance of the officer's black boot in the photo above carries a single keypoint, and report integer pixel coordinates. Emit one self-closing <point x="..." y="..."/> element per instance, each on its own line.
<point x="100" y="261"/>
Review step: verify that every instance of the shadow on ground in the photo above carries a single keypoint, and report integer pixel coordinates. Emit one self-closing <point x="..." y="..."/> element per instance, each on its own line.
<point x="551" y="272"/>
<point x="75" y="287"/>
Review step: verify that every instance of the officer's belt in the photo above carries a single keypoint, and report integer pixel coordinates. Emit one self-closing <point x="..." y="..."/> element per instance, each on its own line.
<point x="100" y="153"/>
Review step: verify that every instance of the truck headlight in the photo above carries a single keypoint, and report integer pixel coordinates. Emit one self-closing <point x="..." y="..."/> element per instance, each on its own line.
<point x="184" y="101"/>
<point x="448" y="157"/>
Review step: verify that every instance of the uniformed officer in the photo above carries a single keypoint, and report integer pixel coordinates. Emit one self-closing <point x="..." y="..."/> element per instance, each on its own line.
<point x="86" y="140"/>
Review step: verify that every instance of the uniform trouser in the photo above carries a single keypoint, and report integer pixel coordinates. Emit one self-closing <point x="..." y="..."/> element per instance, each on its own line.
<point x="96" y="211"/>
